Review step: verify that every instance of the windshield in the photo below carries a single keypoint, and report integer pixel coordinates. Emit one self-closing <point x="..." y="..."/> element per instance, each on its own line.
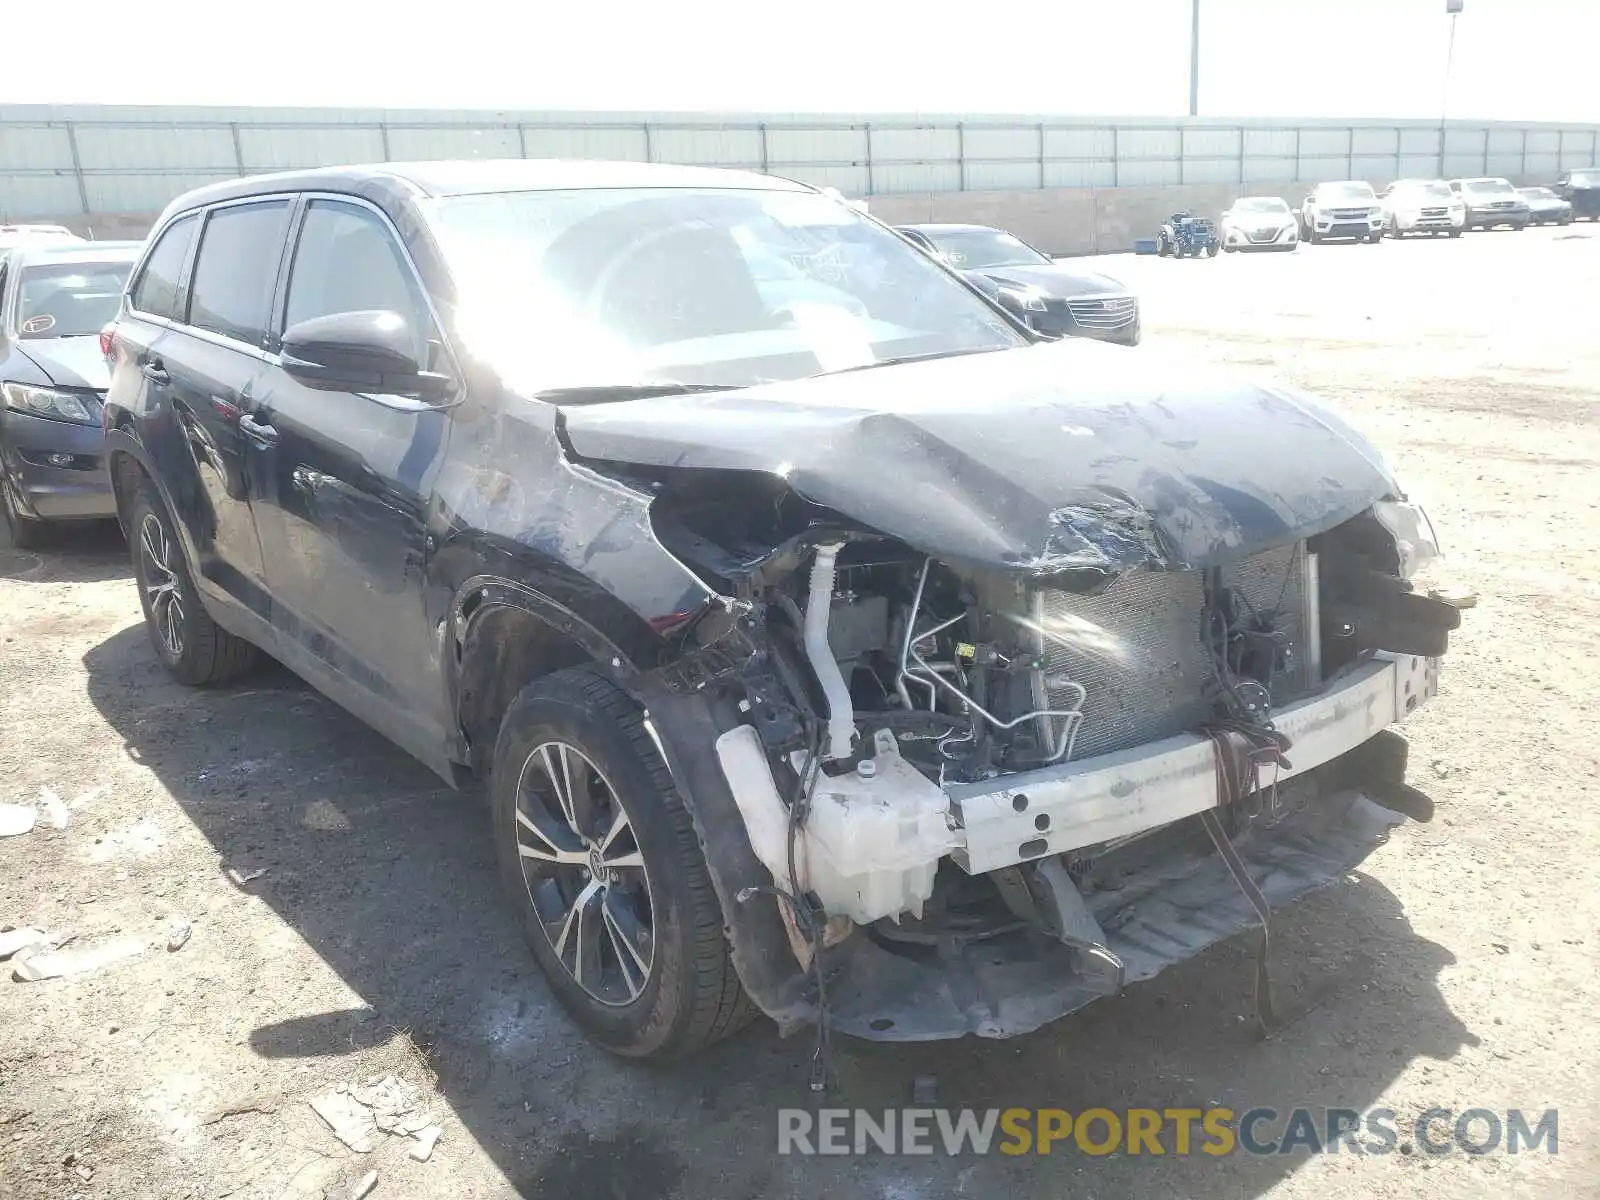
<point x="1538" y="193"/>
<point x="606" y="287"/>
<point x="69" y="299"/>
<point x="1261" y="204"/>
<point x="978" y="249"/>
<point x="1346" y="193"/>
<point x="1491" y="187"/>
<point x="1586" y="179"/>
<point x="1436" y="190"/>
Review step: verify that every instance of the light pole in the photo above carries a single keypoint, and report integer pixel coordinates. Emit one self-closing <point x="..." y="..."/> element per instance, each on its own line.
<point x="1194" y="59"/>
<point x="1453" y="8"/>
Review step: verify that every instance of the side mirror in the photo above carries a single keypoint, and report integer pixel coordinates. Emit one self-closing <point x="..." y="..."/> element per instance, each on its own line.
<point x="368" y="351"/>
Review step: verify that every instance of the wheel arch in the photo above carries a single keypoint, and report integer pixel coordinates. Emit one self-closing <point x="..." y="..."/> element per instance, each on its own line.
<point x="508" y="633"/>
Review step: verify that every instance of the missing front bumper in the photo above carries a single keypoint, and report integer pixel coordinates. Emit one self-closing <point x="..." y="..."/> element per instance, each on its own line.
<point x="1159" y="904"/>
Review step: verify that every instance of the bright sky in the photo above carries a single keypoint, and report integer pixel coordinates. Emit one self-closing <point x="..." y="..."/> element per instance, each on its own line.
<point x="1514" y="59"/>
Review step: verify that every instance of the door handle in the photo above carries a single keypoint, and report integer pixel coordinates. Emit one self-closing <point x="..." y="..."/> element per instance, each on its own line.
<point x="260" y="433"/>
<point x="155" y="371"/>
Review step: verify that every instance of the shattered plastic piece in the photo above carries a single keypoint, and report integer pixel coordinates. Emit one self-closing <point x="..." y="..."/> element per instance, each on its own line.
<point x="350" y="1121"/>
<point x="34" y="963"/>
<point x="241" y="878"/>
<point x="364" y="1185"/>
<point x="427" y="1138"/>
<point x="18" y="939"/>
<point x="16" y="819"/>
<point x="178" y="935"/>
<point x="55" y="809"/>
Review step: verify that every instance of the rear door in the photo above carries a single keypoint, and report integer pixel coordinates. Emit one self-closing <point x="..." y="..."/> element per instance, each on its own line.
<point x="212" y="360"/>
<point x="341" y="492"/>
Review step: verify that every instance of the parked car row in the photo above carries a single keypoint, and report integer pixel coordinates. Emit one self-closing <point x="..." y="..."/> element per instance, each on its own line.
<point x="1351" y="210"/>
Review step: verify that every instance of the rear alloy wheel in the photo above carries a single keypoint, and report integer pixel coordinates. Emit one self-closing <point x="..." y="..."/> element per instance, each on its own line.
<point x="27" y="533"/>
<point x="601" y="859"/>
<point x="189" y="643"/>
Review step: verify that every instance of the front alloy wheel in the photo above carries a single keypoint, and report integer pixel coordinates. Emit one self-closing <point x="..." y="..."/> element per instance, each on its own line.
<point x="600" y="856"/>
<point x="584" y="873"/>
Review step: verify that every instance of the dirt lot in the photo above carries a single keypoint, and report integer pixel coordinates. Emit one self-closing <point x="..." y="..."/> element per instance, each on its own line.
<point x="375" y="942"/>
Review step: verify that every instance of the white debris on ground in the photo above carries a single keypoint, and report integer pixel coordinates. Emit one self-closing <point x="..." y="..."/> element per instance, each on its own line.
<point x="12" y="940"/>
<point x="42" y="961"/>
<point x="364" y="1185"/>
<point x="240" y="878"/>
<point x="351" y="1122"/>
<point x="356" y="1113"/>
<point x="427" y="1138"/>
<point x="54" y="808"/>
<point x="178" y="934"/>
<point x="17" y="819"/>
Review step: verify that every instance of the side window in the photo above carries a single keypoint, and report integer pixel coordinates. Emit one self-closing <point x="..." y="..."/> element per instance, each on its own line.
<point x="347" y="260"/>
<point x="238" y="262"/>
<point x="156" y="292"/>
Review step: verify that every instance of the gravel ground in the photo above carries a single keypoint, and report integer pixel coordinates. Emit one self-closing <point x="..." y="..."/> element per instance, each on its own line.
<point x="375" y="942"/>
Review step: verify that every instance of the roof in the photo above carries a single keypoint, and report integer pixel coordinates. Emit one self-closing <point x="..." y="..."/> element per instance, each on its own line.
<point x="485" y="175"/>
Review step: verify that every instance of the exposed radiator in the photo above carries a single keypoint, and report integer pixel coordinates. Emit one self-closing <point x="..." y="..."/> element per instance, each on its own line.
<point x="1137" y="647"/>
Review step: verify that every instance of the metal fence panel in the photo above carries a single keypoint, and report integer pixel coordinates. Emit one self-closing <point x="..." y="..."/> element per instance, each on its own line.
<point x="1262" y="143"/>
<point x="916" y="177"/>
<point x="406" y="145"/>
<point x="1209" y="170"/>
<point x="1000" y="144"/>
<point x="1376" y="169"/>
<point x="1085" y="173"/>
<point x="930" y="144"/>
<point x="1264" y="169"/>
<point x="707" y="147"/>
<point x="1418" y="166"/>
<point x="817" y="146"/>
<point x="143" y="193"/>
<point x="1002" y="176"/>
<point x="39" y="195"/>
<point x="146" y="147"/>
<point x="1375" y="143"/>
<point x="1420" y="141"/>
<point x="1084" y="143"/>
<point x="35" y="147"/>
<point x="1324" y="168"/>
<point x="297" y="147"/>
<point x="624" y="144"/>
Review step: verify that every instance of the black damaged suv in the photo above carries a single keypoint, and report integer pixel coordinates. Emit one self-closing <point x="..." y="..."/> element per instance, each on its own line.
<point x="824" y="638"/>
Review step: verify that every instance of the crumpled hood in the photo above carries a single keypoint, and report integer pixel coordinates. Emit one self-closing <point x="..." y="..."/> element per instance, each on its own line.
<point x="1056" y="457"/>
<point x="1055" y="280"/>
<point x="70" y="362"/>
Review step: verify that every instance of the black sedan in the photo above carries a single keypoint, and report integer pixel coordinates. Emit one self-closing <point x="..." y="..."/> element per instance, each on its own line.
<point x="1581" y="189"/>
<point x="1545" y="207"/>
<point x="54" y="300"/>
<point x="1051" y="297"/>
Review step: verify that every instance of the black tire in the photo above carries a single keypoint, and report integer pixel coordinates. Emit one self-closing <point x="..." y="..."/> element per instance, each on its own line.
<point x="27" y="533"/>
<point x="187" y="641"/>
<point x="1455" y="233"/>
<point x="689" y="994"/>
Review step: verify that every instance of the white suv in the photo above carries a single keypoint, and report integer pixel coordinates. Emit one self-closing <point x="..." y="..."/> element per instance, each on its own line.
<point x="1348" y="209"/>
<point x="1422" y="206"/>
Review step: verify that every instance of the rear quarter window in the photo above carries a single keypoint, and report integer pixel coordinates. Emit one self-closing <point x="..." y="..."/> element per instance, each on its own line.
<point x="156" y="291"/>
